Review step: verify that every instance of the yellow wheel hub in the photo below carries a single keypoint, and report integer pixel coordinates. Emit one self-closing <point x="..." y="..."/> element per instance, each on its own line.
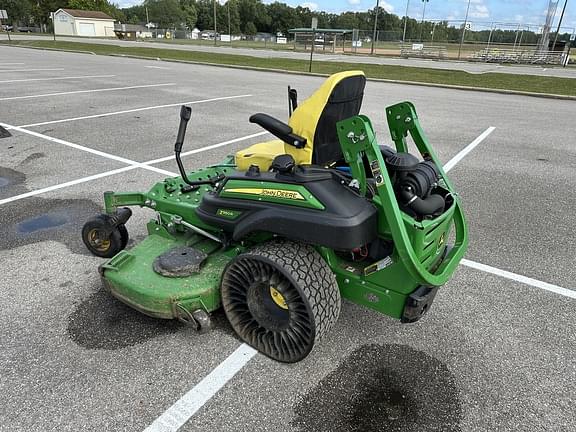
<point x="278" y="298"/>
<point x="99" y="245"/>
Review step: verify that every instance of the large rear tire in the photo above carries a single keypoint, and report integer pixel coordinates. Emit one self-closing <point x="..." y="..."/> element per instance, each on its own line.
<point x="281" y="297"/>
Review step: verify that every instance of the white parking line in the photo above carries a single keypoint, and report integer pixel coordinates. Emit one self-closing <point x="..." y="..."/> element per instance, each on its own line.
<point x="519" y="278"/>
<point x="461" y="154"/>
<point x="203" y="149"/>
<point x="57" y="78"/>
<point x="157" y="67"/>
<point x="179" y="413"/>
<point x="93" y="116"/>
<point x="121" y="170"/>
<point x="10" y="64"/>
<point x="89" y="150"/>
<point x="87" y="91"/>
<point x="67" y="184"/>
<point x="31" y="70"/>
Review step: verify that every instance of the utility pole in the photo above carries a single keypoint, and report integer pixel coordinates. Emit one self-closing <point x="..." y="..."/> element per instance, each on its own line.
<point x="375" y="26"/>
<point x="464" y="30"/>
<point x="229" y="28"/>
<point x="405" y="20"/>
<point x="314" y="26"/>
<point x="214" y="22"/>
<point x="559" y="24"/>
<point x="423" y="14"/>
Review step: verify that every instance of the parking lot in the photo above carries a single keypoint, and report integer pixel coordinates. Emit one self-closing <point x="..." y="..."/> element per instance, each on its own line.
<point x="495" y="353"/>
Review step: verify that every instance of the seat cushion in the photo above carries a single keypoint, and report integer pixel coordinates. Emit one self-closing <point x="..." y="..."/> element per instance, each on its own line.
<point x="262" y="155"/>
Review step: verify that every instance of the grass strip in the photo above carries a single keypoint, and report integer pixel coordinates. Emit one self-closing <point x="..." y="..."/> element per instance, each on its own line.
<point x="498" y="81"/>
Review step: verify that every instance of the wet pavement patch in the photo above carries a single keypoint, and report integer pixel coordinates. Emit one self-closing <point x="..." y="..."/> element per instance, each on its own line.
<point x="35" y="220"/>
<point x="103" y="322"/>
<point x="383" y="388"/>
<point x="32" y="157"/>
<point x="43" y="222"/>
<point x="11" y="182"/>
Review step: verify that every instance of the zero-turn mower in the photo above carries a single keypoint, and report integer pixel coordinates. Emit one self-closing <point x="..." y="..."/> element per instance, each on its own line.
<point x="279" y="233"/>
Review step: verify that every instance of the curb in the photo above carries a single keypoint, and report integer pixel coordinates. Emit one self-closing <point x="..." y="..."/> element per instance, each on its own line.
<point x="284" y="71"/>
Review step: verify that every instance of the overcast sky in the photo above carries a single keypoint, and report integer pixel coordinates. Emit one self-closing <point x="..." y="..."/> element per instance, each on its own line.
<point x="513" y="11"/>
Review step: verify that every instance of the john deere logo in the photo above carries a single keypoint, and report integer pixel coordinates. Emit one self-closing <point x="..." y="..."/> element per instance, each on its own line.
<point x="278" y="193"/>
<point x="274" y="193"/>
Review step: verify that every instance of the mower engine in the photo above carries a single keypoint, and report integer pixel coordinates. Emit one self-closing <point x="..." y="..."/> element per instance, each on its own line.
<point x="414" y="184"/>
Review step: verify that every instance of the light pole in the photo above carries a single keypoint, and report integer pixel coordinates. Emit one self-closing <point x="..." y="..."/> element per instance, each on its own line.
<point x="405" y="20"/>
<point x="229" y="28"/>
<point x="559" y="24"/>
<point x="464" y="30"/>
<point x="423" y="14"/>
<point x="433" y="30"/>
<point x="214" y="22"/>
<point x="375" y="25"/>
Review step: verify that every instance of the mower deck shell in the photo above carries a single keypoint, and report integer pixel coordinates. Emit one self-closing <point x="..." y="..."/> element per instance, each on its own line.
<point x="130" y="276"/>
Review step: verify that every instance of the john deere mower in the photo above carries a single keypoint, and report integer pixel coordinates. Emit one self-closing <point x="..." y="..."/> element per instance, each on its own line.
<point x="279" y="233"/>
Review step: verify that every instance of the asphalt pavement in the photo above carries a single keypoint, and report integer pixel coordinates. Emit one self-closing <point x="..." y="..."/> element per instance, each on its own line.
<point x="493" y="354"/>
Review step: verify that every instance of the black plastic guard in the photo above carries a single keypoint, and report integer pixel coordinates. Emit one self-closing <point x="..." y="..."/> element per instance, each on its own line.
<point x="418" y="303"/>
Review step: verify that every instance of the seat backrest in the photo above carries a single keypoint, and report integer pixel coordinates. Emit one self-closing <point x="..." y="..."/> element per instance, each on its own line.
<point x="339" y="98"/>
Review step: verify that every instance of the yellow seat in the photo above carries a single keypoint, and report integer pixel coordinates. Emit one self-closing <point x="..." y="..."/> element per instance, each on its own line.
<point x="339" y="98"/>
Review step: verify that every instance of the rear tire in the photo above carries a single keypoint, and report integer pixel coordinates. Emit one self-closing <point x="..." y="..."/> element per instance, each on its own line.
<point x="280" y="298"/>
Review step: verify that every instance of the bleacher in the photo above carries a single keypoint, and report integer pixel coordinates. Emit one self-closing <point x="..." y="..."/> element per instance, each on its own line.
<point x="500" y="55"/>
<point x="423" y="51"/>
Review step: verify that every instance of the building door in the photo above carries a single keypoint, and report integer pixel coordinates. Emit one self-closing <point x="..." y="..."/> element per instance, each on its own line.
<point x="86" y="29"/>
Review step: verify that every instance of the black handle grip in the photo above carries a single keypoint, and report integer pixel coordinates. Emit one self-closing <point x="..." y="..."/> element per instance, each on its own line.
<point x="185" y="113"/>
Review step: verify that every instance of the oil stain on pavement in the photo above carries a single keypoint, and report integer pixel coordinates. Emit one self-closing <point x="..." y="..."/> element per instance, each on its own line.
<point x="383" y="388"/>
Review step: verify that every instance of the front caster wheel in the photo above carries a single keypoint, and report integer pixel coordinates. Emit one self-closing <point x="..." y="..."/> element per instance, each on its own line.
<point x="199" y="319"/>
<point x="280" y="297"/>
<point x="102" y="239"/>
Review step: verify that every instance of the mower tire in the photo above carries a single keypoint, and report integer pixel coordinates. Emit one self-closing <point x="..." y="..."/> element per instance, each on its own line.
<point x="123" y="236"/>
<point x="280" y="297"/>
<point x="102" y="239"/>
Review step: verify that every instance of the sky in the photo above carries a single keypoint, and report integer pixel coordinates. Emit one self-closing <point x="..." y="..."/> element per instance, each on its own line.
<point x="481" y="11"/>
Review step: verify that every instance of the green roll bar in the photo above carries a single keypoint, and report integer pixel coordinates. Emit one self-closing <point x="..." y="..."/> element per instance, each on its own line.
<point x="358" y="140"/>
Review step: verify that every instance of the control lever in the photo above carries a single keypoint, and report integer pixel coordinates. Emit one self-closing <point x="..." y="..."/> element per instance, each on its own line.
<point x="185" y="114"/>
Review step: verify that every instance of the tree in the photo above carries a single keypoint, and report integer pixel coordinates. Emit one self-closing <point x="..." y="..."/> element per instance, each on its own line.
<point x="190" y="14"/>
<point x="42" y="10"/>
<point x="253" y="16"/>
<point x="250" y="28"/>
<point x="97" y="5"/>
<point x="282" y="17"/>
<point x="165" y="13"/>
<point x="19" y="11"/>
<point x="135" y="14"/>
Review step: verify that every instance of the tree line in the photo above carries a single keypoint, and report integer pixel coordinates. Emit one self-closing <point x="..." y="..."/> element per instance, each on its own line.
<point x="251" y="16"/>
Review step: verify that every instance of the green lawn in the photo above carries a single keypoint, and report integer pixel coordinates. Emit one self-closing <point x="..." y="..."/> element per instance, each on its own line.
<point x="527" y="83"/>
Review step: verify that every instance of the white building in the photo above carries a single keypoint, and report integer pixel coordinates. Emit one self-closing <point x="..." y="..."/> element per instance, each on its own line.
<point x="72" y="22"/>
